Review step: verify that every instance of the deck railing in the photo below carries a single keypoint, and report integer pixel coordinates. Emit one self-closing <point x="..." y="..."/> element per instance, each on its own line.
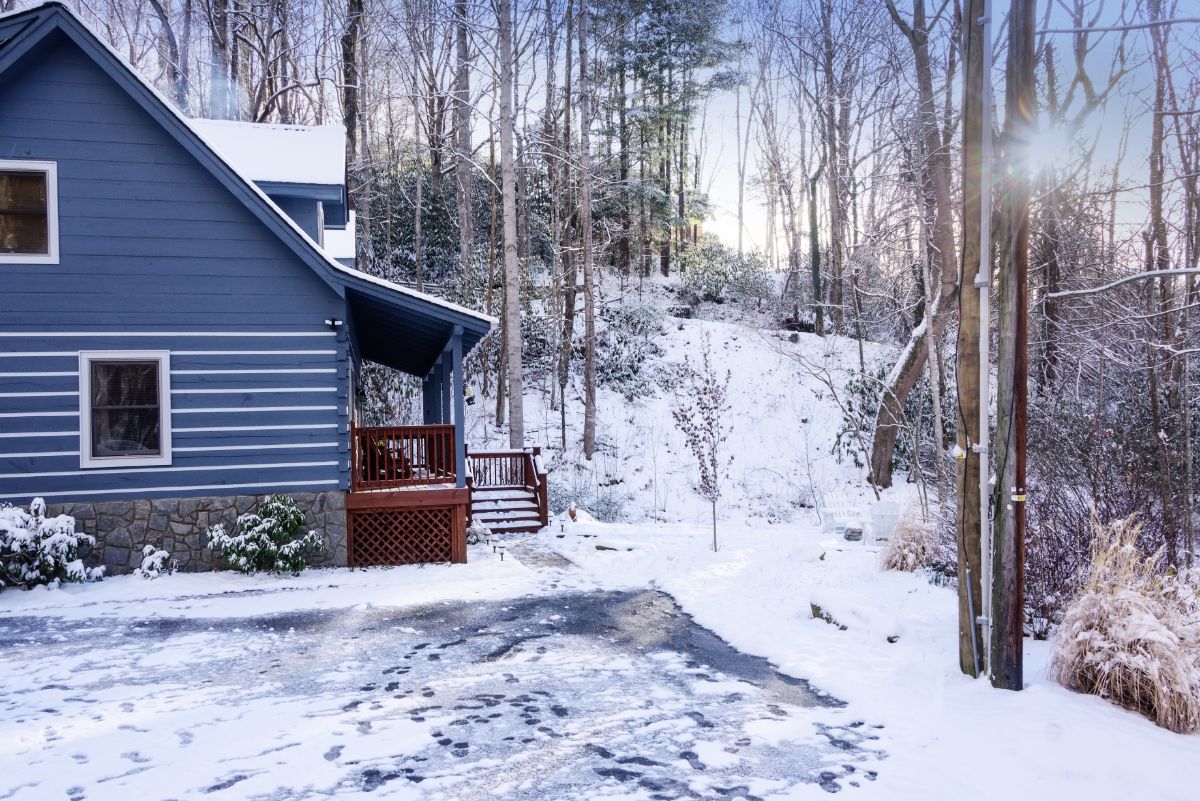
<point x="393" y="457"/>
<point x="511" y="468"/>
<point x="505" y="468"/>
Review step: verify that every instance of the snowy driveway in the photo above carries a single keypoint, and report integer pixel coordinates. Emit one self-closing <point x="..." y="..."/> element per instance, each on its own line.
<point x="567" y="695"/>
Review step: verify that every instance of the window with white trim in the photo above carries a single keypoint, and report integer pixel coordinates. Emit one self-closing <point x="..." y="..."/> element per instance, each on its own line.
<point x="28" y="212"/>
<point x="124" y="408"/>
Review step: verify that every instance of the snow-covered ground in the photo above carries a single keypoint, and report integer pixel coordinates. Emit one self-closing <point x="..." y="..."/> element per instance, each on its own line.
<point x="780" y="430"/>
<point x="946" y="736"/>
<point x="541" y="686"/>
<point x="246" y="685"/>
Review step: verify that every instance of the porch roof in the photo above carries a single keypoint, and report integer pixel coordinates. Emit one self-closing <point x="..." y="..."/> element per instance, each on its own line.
<point x="405" y="329"/>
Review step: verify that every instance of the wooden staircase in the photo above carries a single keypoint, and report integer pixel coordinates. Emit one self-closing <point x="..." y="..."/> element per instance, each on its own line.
<point x="508" y="490"/>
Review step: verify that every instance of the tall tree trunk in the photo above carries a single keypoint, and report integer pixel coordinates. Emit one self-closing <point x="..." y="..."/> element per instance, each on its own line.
<point x="462" y="138"/>
<point x="418" y="195"/>
<point x="1158" y="257"/>
<point x="818" y="302"/>
<point x="833" y="172"/>
<point x="350" y="92"/>
<point x="903" y="377"/>
<point x="623" y="245"/>
<point x="512" y="268"/>
<point x="570" y="282"/>
<point x="175" y="66"/>
<point x="549" y="150"/>
<point x="585" y="216"/>
<point x="1008" y="566"/>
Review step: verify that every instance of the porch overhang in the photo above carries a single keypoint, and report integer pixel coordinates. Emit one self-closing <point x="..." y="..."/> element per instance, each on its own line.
<point x="408" y="330"/>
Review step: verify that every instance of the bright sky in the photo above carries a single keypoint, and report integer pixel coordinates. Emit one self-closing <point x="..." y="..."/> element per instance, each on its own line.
<point x="1053" y="147"/>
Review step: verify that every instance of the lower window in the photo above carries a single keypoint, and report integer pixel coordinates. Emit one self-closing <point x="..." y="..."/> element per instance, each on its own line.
<point x="125" y="408"/>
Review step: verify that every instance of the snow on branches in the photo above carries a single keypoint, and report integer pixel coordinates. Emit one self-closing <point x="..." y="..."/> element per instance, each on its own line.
<point x="270" y="540"/>
<point x="36" y="550"/>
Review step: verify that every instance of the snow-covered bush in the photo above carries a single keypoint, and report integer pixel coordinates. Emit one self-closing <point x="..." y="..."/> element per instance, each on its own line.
<point x="35" y="549"/>
<point x="627" y="352"/>
<point x="477" y="532"/>
<point x="155" y="562"/>
<point x="269" y="540"/>
<point x="1132" y="635"/>
<point x="717" y="273"/>
<point x="606" y="502"/>
<point x="913" y="544"/>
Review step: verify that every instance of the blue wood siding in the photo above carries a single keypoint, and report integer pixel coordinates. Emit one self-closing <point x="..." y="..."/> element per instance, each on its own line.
<point x="306" y="213"/>
<point x="156" y="255"/>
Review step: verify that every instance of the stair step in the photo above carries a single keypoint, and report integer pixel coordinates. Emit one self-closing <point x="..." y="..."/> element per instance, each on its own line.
<point x="517" y="526"/>
<point x="503" y="506"/>
<point x="504" y="494"/>
<point x="487" y="519"/>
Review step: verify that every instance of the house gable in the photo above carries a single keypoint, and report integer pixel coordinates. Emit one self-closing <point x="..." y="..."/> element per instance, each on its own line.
<point x="157" y="254"/>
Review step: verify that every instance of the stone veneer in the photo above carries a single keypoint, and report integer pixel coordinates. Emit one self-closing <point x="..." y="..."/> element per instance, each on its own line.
<point x="179" y="525"/>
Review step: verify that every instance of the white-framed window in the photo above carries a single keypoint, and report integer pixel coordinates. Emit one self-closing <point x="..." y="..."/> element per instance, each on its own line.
<point x="124" y="408"/>
<point x="28" y="212"/>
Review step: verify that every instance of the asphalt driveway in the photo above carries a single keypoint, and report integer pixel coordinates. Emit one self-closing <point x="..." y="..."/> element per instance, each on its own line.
<point x="570" y="695"/>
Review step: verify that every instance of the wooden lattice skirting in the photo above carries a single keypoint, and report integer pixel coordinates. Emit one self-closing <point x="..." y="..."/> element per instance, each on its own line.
<point x="417" y="532"/>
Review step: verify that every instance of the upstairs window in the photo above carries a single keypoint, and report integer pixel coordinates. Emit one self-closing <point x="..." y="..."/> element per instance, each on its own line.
<point x="28" y="212"/>
<point x="125" y="412"/>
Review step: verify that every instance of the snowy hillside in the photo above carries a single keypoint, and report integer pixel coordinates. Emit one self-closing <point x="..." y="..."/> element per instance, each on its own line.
<point x="780" y="434"/>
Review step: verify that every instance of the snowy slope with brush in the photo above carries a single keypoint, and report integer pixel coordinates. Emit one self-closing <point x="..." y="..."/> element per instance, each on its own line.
<point x="780" y="431"/>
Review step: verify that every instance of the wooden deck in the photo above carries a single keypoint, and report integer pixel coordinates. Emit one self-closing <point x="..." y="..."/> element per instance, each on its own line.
<point x="406" y="505"/>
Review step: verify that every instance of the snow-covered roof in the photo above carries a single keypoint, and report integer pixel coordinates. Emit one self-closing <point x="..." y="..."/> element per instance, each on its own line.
<point x="339" y="242"/>
<point x="296" y="154"/>
<point x="476" y="324"/>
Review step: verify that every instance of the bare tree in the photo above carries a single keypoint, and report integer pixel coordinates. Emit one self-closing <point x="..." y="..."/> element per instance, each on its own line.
<point x="512" y="268"/>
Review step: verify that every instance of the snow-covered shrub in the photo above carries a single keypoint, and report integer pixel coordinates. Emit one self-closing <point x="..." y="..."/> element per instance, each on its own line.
<point x="1132" y="635"/>
<point x="605" y="502"/>
<point x="155" y="562"/>
<point x="627" y="352"/>
<point x="913" y="544"/>
<point x="477" y="532"/>
<point x="35" y="549"/>
<point x="269" y="540"/>
<point x="716" y="273"/>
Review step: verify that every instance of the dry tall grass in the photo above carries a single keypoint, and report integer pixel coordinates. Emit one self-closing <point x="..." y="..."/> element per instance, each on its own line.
<point x="1133" y="635"/>
<point x="913" y="544"/>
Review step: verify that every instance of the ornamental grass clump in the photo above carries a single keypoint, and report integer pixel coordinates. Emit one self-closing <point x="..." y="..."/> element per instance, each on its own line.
<point x="37" y="550"/>
<point x="1132" y="635"/>
<point x="269" y="540"/>
<point x="913" y="544"/>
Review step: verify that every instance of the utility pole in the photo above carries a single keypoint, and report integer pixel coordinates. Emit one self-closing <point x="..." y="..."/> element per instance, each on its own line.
<point x="983" y="281"/>
<point x="972" y="368"/>
<point x="1012" y="397"/>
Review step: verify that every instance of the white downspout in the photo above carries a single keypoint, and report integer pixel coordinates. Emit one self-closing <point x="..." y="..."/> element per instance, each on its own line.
<point x="983" y="282"/>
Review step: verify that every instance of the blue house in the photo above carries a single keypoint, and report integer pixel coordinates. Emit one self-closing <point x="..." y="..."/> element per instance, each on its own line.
<point x="182" y="330"/>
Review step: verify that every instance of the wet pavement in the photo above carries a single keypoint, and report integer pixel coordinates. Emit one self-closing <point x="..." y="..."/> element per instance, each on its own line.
<point x="570" y="695"/>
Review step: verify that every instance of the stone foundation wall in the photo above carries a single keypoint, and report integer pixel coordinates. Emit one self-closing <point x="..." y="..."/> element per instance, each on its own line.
<point x="179" y="526"/>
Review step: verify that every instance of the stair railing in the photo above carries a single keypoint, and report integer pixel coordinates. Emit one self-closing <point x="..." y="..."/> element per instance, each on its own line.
<point x="511" y="468"/>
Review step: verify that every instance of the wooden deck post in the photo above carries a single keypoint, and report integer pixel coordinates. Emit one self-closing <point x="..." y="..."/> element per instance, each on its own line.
<point x="429" y="401"/>
<point x="460" y="445"/>
<point x="444" y="381"/>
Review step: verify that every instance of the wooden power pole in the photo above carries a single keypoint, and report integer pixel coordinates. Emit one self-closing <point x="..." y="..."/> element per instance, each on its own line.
<point x="972" y="435"/>
<point x="1008" y="599"/>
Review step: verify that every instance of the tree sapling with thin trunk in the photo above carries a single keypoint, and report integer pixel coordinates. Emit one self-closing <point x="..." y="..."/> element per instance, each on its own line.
<point x="700" y="411"/>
